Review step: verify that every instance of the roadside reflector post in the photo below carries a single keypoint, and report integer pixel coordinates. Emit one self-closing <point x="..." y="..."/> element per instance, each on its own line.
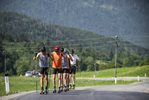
<point x="138" y="78"/>
<point x="6" y="75"/>
<point x="7" y="83"/>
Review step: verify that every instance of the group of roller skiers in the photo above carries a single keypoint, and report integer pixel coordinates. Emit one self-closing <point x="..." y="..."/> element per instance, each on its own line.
<point x="63" y="63"/>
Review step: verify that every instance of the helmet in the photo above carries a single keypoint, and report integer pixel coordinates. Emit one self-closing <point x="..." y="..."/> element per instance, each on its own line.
<point x="72" y="51"/>
<point x="65" y="50"/>
<point x="62" y="49"/>
<point x="43" y="49"/>
<point x="56" y="48"/>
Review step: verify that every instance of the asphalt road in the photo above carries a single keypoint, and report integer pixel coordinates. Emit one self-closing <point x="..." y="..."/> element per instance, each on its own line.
<point x="135" y="91"/>
<point x="86" y="95"/>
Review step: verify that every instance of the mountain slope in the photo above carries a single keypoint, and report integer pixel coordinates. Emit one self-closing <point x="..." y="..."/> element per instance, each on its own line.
<point x="127" y="19"/>
<point x="37" y="31"/>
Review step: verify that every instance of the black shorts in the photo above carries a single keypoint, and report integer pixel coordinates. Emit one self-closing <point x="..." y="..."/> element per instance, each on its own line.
<point x="55" y="71"/>
<point x="72" y="70"/>
<point x="44" y="70"/>
<point x="65" y="70"/>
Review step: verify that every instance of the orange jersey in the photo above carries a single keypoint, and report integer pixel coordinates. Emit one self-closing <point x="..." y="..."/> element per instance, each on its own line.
<point x="57" y="60"/>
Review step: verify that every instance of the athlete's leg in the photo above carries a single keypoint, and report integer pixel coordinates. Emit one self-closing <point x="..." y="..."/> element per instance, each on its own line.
<point x="64" y="80"/>
<point x="67" y="80"/>
<point x="54" y="78"/>
<point x="61" y="76"/>
<point x="42" y="77"/>
<point x="74" y="72"/>
<point x="41" y="80"/>
<point x="46" y="77"/>
<point x="70" y="72"/>
<point x="59" y="79"/>
<point x="73" y="78"/>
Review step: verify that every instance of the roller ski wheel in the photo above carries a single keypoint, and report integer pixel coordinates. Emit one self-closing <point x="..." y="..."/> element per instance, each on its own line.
<point x="54" y="91"/>
<point x="42" y="92"/>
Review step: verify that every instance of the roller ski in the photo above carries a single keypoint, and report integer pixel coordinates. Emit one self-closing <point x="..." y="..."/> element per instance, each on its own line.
<point x="54" y="91"/>
<point x="59" y="91"/>
<point x="45" y="92"/>
<point x="42" y="92"/>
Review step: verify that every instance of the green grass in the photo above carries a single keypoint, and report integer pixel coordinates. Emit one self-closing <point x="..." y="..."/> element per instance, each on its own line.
<point x="121" y="72"/>
<point x="85" y="82"/>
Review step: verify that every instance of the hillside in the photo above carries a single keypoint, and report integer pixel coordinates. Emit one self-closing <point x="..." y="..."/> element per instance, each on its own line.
<point x="21" y="36"/>
<point x="127" y="19"/>
<point x="37" y="31"/>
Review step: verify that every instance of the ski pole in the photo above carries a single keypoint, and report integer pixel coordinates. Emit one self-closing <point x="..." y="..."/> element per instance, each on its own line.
<point x="36" y="72"/>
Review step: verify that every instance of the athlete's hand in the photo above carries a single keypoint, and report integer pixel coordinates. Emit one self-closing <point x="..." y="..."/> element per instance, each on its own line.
<point x="35" y="54"/>
<point x="67" y="52"/>
<point x="48" y="55"/>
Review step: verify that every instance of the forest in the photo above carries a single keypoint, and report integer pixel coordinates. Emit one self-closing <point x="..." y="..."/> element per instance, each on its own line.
<point x="22" y="36"/>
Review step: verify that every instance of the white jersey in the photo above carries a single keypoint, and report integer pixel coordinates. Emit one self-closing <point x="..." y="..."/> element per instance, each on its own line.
<point x="74" y="57"/>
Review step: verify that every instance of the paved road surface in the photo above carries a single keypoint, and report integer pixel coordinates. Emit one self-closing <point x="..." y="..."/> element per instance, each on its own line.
<point x="135" y="91"/>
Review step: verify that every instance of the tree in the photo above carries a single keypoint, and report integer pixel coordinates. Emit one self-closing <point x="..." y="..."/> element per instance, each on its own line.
<point x="90" y="63"/>
<point x="1" y="51"/>
<point x="144" y="62"/>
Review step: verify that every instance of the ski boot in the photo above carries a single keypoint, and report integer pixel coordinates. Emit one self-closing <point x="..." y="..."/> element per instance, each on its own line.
<point x="54" y="91"/>
<point x="70" y="86"/>
<point x="73" y="86"/>
<point x="65" y="90"/>
<point x="61" y="88"/>
<point x="42" y="92"/>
